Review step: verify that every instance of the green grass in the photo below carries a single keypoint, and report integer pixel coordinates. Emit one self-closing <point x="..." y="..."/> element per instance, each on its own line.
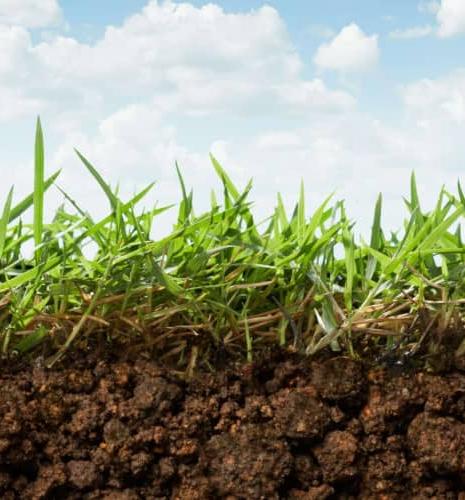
<point x="223" y="282"/>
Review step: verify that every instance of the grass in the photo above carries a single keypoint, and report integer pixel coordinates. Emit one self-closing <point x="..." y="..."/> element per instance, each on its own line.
<point x="222" y="282"/>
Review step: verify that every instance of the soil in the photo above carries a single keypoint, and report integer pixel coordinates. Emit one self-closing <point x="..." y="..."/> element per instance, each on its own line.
<point x="283" y="427"/>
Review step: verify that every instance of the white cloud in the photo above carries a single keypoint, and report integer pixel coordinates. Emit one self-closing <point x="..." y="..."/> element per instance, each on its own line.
<point x="30" y="13"/>
<point x="438" y="100"/>
<point x="415" y="32"/>
<point x="278" y="140"/>
<point x="14" y="72"/>
<point x="174" y="51"/>
<point x="15" y="43"/>
<point x="13" y="104"/>
<point x="451" y="18"/>
<point x="350" y="50"/>
<point x="170" y="53"/>
<point x="121" y="142"/>
<point x="169" y="46"/>
<point x="424" y="7"/>
<point x="314" y="95"/>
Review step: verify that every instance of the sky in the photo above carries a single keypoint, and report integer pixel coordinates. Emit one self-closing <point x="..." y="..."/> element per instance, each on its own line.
<point x="350" y="97"/>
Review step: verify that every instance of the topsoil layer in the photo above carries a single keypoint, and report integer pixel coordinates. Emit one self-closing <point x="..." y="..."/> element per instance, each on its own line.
<point x="283" y="428"/>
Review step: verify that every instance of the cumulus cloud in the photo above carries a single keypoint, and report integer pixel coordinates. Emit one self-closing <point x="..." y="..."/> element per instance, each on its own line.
<point x="177" y="47"/>
<point x="30" y="13"/>
<point x="349" y="50"/>
<point x="174" y="52"/>
<point x="451" y="18"/>
<point x="177" y="38"/>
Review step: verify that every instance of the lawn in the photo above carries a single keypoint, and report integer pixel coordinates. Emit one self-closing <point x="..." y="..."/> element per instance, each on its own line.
<point x="221" y="280"/>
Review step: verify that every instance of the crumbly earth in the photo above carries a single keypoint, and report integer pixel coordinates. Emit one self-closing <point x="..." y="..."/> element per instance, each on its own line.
<point x="285" y="427"/>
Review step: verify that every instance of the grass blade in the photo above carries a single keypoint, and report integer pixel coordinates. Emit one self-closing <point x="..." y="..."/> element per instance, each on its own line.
<point x="228" y="184"/>
<point x="105" y="187"/>
<point x="39" y="187"/>
<point x="4" y="221"/>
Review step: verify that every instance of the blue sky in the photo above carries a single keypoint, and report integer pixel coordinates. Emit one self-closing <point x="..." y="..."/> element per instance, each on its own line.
<point x="348" y="96"/>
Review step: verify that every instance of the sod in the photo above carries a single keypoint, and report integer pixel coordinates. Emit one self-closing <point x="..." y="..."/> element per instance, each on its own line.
<point x="285" y="358"/>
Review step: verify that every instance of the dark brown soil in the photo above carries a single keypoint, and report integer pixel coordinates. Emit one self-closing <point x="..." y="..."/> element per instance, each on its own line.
<point x="283" y="428"/>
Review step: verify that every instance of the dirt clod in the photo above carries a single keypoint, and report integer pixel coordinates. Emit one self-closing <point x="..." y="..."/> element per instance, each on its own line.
<point x="336" y="455"/>
<point x="82" y="474"/>
<point x="298" y="414"/>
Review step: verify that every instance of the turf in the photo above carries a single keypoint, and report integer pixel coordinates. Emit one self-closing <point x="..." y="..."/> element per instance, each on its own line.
<point x="222" y="282"/>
